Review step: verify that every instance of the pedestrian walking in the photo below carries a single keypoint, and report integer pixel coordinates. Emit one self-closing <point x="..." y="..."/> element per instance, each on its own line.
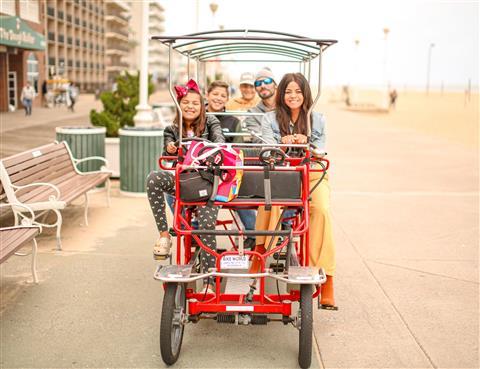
<point x="44" y="93"/>
<point x="27" y="96"/>
<point x="393" y="98"/>
<point x="72" y="92"/>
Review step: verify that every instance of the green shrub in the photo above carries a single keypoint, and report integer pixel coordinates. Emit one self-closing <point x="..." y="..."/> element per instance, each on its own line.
<point x="119" y="106"/>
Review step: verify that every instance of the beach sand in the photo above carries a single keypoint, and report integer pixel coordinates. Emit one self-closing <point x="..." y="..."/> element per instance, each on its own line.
<point x="449" y="115"/>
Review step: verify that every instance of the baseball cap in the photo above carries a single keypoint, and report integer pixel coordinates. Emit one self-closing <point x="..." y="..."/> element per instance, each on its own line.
<point x="246" y="78"/>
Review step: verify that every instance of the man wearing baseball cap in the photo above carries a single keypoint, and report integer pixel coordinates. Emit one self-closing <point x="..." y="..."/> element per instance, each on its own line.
<point x="266" y="88"/>
<point x="248" y="98"/>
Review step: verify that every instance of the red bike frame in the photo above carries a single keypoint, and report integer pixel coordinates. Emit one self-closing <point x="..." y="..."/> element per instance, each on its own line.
<point x="262" y="303"/>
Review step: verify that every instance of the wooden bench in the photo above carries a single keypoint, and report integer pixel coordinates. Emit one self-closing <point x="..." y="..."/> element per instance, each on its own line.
<point x="47" y="179"/>
<point x="14" y="238"/>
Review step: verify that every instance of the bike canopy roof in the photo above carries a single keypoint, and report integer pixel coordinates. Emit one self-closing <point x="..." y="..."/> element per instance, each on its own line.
<point x="213" y="45"/>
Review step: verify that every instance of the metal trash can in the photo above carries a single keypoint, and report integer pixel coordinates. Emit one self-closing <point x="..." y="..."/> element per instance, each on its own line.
<point x="84" y="142"/>
<point x="140" y="148"/>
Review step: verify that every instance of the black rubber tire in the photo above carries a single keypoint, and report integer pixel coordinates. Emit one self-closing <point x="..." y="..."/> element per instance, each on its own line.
<point x="171" y="336"/>
<point x="305" y="335"/>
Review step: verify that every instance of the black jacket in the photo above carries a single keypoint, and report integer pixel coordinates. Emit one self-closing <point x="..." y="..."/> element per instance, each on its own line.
<point x="213" y="132"/>
<point x="230" y="124"/>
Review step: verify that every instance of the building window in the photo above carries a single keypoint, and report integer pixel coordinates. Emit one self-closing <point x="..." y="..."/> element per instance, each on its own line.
<point x="29" y="10"/>
<point x="7" y="7"/>
<point x="32" y="70"/>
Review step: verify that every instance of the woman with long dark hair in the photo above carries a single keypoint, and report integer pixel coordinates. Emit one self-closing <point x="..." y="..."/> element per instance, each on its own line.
<point x="195" y="123"/>
<point x="288" y="124"/>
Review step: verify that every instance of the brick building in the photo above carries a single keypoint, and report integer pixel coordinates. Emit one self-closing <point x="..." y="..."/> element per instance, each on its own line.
<point x="22" y="50"/>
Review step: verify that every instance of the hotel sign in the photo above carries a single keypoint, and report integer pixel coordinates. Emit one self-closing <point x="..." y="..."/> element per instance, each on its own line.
<point x="16" y="33"/>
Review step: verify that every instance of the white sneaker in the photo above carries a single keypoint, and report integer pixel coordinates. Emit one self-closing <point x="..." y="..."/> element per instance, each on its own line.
<point x="162" y="246"/>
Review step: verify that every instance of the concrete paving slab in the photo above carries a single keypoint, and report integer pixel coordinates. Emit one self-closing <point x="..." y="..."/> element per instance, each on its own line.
<point x="442" y="313"/>
<point x="366" y="331"/>
<point x="97" y="305"/>
<point x="412" y="228"/>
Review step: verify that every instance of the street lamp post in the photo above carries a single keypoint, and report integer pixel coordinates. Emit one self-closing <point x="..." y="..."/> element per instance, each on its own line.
<point x="385" y="57"/>
<point x="144" y="116"/>
<point x="430" y="47"/>
<point x="213" y="8"/>
<point x="355" y="69"/>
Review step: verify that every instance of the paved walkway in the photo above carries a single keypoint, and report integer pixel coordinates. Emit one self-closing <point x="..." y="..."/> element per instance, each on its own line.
<point x="405" y="209"/>
<point x="19" y="132"/>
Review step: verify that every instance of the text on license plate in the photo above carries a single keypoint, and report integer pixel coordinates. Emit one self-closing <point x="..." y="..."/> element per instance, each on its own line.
<point x="234" y="262"/>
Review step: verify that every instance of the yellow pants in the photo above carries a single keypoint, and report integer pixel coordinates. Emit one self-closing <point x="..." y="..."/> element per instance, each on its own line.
<point x="321" y="245"/>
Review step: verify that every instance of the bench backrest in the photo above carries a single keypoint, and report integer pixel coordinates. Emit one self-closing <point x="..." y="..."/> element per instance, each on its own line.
<point x="50" y="163"/>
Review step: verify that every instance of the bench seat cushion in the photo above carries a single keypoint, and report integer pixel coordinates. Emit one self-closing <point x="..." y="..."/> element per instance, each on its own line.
<point x="13" y="238"/>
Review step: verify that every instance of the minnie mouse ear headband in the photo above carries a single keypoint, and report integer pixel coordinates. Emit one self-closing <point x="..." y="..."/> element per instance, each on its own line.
<point x="183" y="90"/>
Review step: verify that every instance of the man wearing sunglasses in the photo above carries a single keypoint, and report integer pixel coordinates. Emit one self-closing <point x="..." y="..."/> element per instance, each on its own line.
<point x="266" y="89"/>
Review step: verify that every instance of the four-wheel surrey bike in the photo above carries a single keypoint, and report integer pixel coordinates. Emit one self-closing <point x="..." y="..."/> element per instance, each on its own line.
<point x="272" y="177"/>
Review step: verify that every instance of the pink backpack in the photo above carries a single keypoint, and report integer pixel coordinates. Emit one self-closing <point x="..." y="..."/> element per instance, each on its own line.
<point x="205" y="153"/>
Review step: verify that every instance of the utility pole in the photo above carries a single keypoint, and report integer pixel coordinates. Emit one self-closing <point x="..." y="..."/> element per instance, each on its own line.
<point x="429" y="62"/>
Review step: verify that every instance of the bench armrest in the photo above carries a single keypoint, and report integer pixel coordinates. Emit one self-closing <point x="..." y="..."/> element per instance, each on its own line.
<point x="78" y="161"/>
<point x="26" y="221"/>
<point x="104" y="168"/>
<point x="101" y="158"/>
<point x="51" y="197"/>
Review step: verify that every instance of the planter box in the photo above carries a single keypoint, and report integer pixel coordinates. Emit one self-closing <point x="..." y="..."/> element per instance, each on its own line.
<point x="84" y="142"/>
<point x="140" y="149"/>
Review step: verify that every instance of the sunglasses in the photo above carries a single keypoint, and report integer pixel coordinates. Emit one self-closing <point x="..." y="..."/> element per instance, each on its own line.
<point x="265" y="81"/>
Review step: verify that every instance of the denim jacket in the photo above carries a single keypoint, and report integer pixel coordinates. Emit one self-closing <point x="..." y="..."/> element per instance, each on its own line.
<point x="271" y="129"/>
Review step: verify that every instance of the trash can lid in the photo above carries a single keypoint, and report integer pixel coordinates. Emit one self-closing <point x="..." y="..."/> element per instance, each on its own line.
<point x="141" y="131"/>
<point x="84" y="130"/>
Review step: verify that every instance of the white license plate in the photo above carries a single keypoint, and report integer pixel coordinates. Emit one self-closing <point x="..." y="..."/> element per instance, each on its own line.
<point x="234" y="262"/>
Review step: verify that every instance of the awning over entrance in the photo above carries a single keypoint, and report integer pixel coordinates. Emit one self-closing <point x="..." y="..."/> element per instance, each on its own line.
<point x="16" y="33"/>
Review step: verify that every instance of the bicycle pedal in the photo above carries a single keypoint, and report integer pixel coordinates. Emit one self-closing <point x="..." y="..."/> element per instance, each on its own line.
<point x="280" y="256"/>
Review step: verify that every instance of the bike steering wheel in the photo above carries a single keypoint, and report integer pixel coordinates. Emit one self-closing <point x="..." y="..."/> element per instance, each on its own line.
<point x="272" y="156"/>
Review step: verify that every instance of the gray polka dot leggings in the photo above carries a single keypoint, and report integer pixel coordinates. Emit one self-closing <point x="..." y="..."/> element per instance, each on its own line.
<point x="161" y="182"/>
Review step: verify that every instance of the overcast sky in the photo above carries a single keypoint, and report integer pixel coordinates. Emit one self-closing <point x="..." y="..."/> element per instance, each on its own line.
<point x="453" y="26"/>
